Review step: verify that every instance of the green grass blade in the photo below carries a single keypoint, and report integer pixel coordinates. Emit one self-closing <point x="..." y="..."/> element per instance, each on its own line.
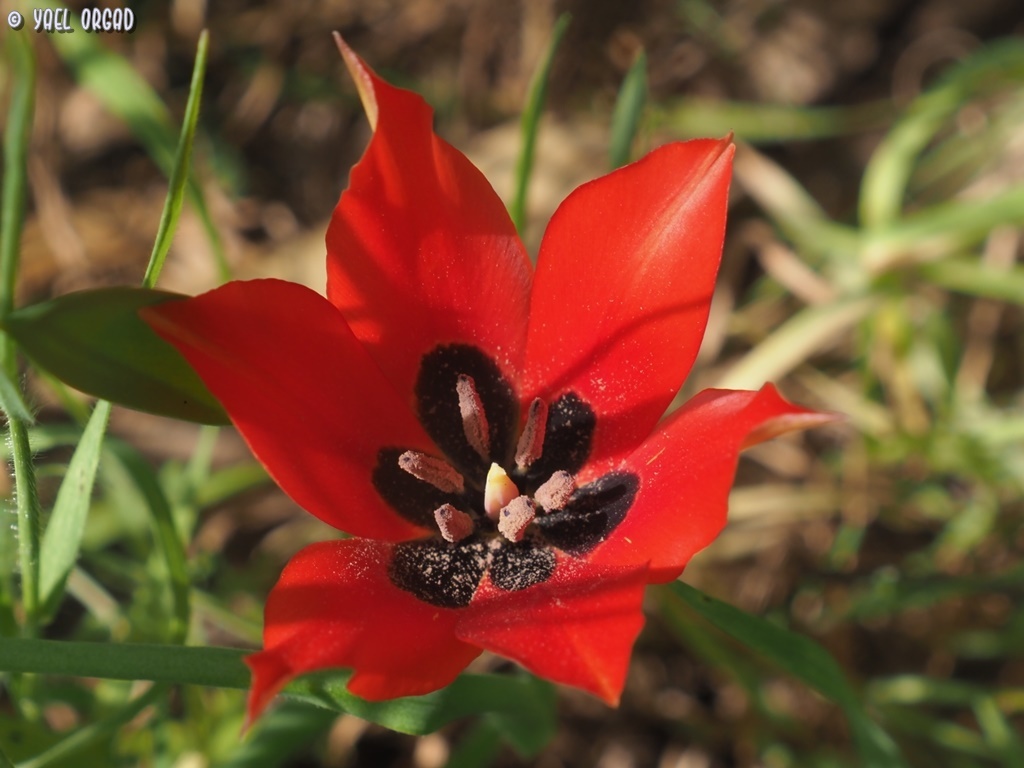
<point x="180" y="172"/>
<point x="219" y="667"/>
<point x="63" y="536"/>
<point x="770" y="123"/>
<point x="975" y="278"/>
<point x="629" y="107"/>
<point x="888" y="173"/>
<point x="942" y="228"/>
<point x="531" y="120"/>
<point x="128" y="96"/>
<point x="805" y="660"/>
<point x="793" y="343"/>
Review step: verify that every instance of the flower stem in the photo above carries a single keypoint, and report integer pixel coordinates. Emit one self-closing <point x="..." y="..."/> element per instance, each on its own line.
<point x="12" y="212"/>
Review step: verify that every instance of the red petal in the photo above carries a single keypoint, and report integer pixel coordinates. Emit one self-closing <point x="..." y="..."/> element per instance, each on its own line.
<point x="577" y="628"/>
<point x="310" y="402"/>
<point x="420" y="250"/>
<point x="686" y="470"/>
<point x="334" y="606"/>
<point x="623" y="285"/>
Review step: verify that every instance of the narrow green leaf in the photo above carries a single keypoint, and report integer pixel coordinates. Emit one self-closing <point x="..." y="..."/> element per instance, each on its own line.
<point x="792" y="343"/>
<point x="180" y="171"/>
<point x="128" y="96"/>
<point x="974" y="277"/>
<point x="530" y="121"/>
<point x="941" y="229"/>
<point x="770" y="123"/>
<point x="63" y="536"/>
<point x="96" y="342"/>
<point x="523" y="702"/>
<point x="629" y="107"/>
<point x="219" y="667"/>
<point x="804" y="659"/>
<point x="888" y="173"/>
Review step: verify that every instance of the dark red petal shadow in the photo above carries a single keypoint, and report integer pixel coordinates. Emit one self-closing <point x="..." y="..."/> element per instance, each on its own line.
<point x="623" y="285"/>
<point x="577" y="628"/>
<point x="420" y="250"/>
<point x="301" y="389"/>
<point x="686" y="470"/>
<point x="334" y="606"/>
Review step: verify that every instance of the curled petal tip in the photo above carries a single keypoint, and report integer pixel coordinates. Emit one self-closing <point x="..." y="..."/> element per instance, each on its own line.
<point x="362" y="78"/>
<point x="792" y="418"/>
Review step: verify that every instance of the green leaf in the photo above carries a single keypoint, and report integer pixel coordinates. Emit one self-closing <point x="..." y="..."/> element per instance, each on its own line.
<point x="804" y="659"/>
<point x="629" y="106"/>
<point x="795" y="341"/>
<point x="974" y="277"/>
<point x="886" y="178"/>
<point x="180" y="171"/>
<point x="122" y="90"/>
<point x="531" y="120"/>
<point x="63" y="536"/>
<point x="523" y="707"/>
<point x="96" y="342"/>
<point x="755" y="123"/>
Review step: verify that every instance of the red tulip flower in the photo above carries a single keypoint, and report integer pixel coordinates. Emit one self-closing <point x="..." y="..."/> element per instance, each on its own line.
<point x="488" y="434"/>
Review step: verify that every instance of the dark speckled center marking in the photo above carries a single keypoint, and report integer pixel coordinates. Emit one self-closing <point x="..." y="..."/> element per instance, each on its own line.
<point x="447" y="574"/>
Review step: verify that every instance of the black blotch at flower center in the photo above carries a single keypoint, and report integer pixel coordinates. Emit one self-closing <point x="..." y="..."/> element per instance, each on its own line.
<point x="470" y="410"/>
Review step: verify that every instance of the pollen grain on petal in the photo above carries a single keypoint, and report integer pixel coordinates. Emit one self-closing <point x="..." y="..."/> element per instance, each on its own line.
<point x="431" y="470"/>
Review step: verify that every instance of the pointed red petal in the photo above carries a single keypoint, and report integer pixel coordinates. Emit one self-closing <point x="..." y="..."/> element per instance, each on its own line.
<point x="307" y="398"/>
<point x="623" y="285"/>
<point x="577" y="628"/>
<point x="334" y="606"/>
<point x="420" y="250"/>
<point x="686" y="470"/>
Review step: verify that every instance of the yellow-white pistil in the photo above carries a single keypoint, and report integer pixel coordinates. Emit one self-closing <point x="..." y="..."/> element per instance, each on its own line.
<point x="499" y="490"/>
